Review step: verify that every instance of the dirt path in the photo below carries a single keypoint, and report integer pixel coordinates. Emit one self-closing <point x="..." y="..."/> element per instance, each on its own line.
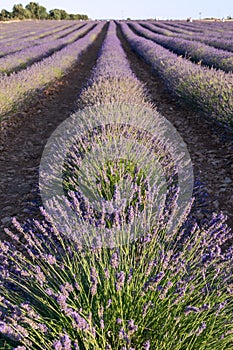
<point x="24" y="135"/>
<point x="210" y="147"/>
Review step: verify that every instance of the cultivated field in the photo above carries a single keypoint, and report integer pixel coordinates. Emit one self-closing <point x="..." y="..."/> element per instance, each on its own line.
<point x="116" y="161"/>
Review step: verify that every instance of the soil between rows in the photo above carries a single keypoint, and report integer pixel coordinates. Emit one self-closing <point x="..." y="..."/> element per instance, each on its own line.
<point x="24" y="136"/>
<point x="210" y="145"/>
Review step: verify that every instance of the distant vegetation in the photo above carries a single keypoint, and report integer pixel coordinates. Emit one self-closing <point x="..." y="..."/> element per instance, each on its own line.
<point x="35" y="11"/>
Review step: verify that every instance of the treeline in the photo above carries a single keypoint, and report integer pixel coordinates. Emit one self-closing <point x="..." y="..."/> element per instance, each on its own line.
<point x="35" y="11"/>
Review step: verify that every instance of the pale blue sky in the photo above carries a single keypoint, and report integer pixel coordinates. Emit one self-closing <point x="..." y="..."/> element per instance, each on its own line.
<point x="136" y="9"/>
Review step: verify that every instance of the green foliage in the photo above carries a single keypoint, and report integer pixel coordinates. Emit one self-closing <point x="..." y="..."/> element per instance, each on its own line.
<point x="64" y="14"/>
<point x="20" y="12"/>
<point x="33" y="7"/>
<point x="5" y="15"/>
<point x="42" y="12"/>
<point x="35" y="11"/>
<point x="78" y="17"/>
<point x="55" y="14"/>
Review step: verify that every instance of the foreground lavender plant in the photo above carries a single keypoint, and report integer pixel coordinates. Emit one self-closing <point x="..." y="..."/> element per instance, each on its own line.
<point x="165" y="291"/>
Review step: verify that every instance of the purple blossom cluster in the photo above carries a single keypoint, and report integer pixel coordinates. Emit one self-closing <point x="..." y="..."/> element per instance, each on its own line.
<point x="209" y="90"/>
<point x="196" y="51"/>
<point x="18" y="86"/>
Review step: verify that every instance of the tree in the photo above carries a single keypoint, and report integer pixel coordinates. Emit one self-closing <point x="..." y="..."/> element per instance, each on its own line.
<point x="33" y="7"/>
<point x="78" y="17"/>
<point x="20" y="12"/>
<point x="64" y="14"/>
<point x="5" y="15"/>
<point x="55" y="14"/>
<point x="35" y="11"/>
<point x="42" y="13"/>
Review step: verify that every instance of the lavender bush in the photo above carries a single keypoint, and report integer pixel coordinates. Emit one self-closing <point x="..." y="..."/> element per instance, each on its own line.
<point x="161" y="292"/>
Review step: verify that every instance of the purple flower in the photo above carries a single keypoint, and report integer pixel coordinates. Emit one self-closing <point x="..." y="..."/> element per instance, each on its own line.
<point x="66" y="288"/>
<point x="190" y="309"/>
<point x="102" y="324"/>
<point x="153" y="281"/>
<point x="132" y="327"/>
<point x="57" y="345"/>
<point x="119" y="321"/>
<point x="109" y="303"/>
<point x="106" y="273"/>
<point x="130" y="275"/>
<point x="80" y="322"/>
<point x="40" y="277"/>
<point x="146" y="345"/>
<point x="120" y="279"/>
<point x="66" y="342"/>
<point x="201" y="328"/>
<point x="146" y="307"/>
<point x="114" y="261"/>
<point x="76" y="346"/>
<point x="94" y="281"/>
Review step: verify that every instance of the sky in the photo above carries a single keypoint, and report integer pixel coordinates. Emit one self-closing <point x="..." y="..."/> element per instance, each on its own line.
<point x="136" y="9"/>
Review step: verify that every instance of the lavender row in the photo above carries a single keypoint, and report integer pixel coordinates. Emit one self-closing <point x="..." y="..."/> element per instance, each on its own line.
<point x="112" y="77"/>
<point x="32" y="28"/>
<point x="18" y="86"/>
<point x="221" y="27"/>
<point x="169" y="28"/>
<point x="194" y="50"/>
<point x="29" y="55"/>
<point x="214" y="31"/>
<point x="209" y="90"/>
<point x="30" y="31"/>
<point x="224" y="44"/>
<point x="186" y="26"/>
<point x="34" y="39"/>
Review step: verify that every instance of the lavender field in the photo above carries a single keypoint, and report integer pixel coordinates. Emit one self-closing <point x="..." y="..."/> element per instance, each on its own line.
<point x="116" y="156"/>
